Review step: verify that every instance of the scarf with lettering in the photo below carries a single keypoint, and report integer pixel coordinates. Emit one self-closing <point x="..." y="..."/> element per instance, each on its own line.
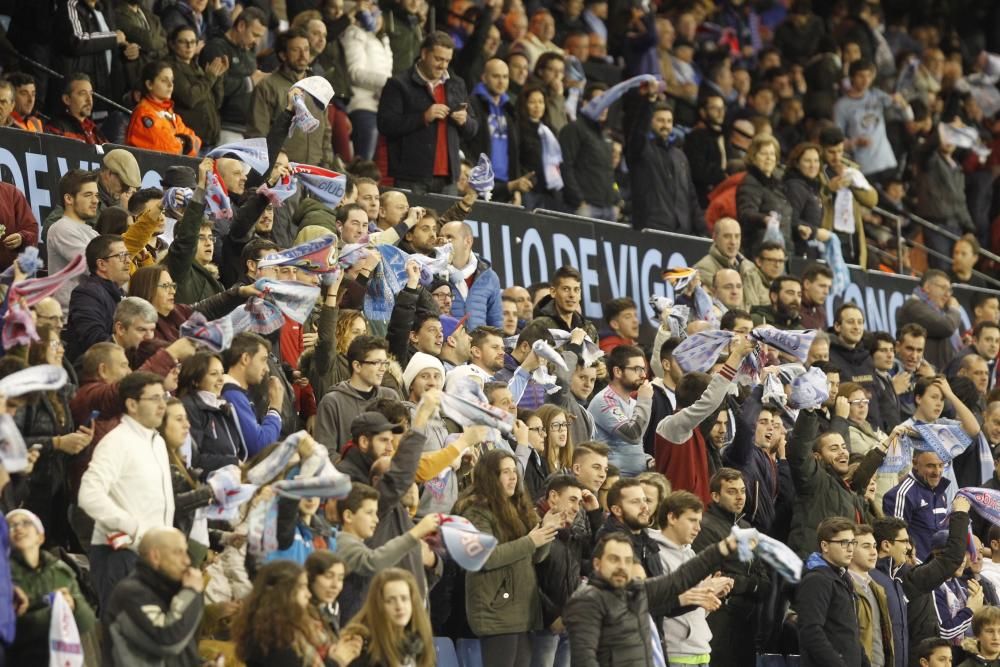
<point x="296" y="300"/>
<point x="217" y="197"/>
<point x="469" y="547"/>
<point x="465" y="403"/>
<point x="809" y="390"/>
<point x="316" y="256"/>
<point x="303" y="119"/>
<point x="325" y="185"/>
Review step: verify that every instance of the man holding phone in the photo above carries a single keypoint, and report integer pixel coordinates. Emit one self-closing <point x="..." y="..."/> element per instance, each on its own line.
<point x="498" y="133"/>
<point x="423" y="114"/>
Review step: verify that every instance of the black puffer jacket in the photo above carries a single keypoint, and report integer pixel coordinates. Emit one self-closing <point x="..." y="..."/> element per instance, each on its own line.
<point x="216" y="435"/>
<point x="587" y="172"/>
<point x="807" y="208"/>
<point x="756" y="197"/>
<point x="610" y="626"/>
<point x="751" y="581"/>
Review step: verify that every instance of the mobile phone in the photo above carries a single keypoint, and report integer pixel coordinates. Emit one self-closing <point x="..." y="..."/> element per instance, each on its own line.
<point x="37" y="447"/>
<point x="94" y="414"/>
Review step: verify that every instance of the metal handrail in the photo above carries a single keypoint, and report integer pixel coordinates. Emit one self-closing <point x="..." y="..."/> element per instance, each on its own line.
<point x="52" y="72"/>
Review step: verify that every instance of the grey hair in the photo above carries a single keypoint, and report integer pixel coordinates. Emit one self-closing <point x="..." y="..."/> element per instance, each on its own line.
<point x="133" y="308"/>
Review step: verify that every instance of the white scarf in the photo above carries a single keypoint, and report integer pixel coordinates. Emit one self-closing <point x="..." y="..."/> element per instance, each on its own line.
<point x="843" y="202"/>
<point x="463" y="273"/>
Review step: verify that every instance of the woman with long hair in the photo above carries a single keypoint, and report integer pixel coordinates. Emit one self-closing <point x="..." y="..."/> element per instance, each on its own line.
<point x="46" y="420"/>
<point x="802" y="186"/>
<point x="558" y="442"/>
<point x="155" y="125"/>
<point x="189" y="495"/>
<point x="337" y="328"/>
<point x="155" y="285"/>
<point x="213" y="424"/>
<point x="198" y="90"/>
<point x="540" y="151"/>
<point x="930" y="395"/>
<point x="502" y="600"/>
<point x="278" y="627"/>
<point x="326" y="571"/>
<point x="394" y="624"/>
<point x="531" y="452"/>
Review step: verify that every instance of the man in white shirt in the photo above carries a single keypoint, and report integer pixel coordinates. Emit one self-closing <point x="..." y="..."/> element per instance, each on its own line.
<point x="127" y="489"/>
<point x="991" y="566"/>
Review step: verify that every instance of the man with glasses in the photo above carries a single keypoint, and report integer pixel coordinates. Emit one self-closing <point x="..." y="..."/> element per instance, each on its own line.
<point x="828" y="619"/>
<point x="189" y="259"/>
<point x="823" y="486"/>
<point x="909" y="585"/>
<point x="126" y="489"/>
<point x="935" y="308"/>
<point x="368" y="357"/>
<point x="94" y="301"/>
<point x="768" y="265"/>
<point x="619" y="419"/>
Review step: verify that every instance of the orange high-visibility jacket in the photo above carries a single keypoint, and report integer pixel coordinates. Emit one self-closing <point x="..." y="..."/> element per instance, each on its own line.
<point x="155" y="126"/>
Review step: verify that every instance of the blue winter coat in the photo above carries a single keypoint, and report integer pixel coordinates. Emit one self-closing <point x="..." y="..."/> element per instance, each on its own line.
<point x="483" y="301"/>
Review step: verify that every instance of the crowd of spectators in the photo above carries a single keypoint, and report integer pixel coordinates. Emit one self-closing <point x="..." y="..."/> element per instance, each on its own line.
<point x="356" y="402"/>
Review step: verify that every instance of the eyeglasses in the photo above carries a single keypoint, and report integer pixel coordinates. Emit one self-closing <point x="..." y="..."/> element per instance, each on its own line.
<point x="558" y="426"/>
<point x="57" y="343"/>
<point x="185" y="42"/>
<point x="904" y="540"/>
<point x="381" y="364"/>
<point x="636" y="369"/>
<point x="536" y="429"/>
<point x="845" y="544"/>
<point x="159" y="398"/>
<point x="859" y="401"/>
<point x="773" y="260"/>
<point x="123" y="256"/>
<point x="170" y="287"/>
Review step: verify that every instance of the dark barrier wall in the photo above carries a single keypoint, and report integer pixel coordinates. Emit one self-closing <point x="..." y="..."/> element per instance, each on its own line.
<point x="523" y="247"/>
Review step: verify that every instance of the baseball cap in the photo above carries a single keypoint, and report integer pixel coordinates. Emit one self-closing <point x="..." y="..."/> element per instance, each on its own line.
<point x="122" y="164"/>
<point x="372" y="422"/>
<point x="939" y="539"/>
<point x="451" y="324"/>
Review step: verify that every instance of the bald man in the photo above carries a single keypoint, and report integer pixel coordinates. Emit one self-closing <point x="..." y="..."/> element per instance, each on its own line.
<point x="727" y="287"/>
<point x="725" y="251"/>
<point x="154" y="613"/>
<point x="392" y="209"/>
<point x="522" y="298"/>
<point x="497" y="137"/>
<point x="233" y="174"/>
<point x="478" y="293"/>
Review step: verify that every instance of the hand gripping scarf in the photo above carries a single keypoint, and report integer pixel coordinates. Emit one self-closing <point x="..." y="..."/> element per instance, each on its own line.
<point x="303" y="119"/>
<point x="481" y="177"/>
<point x="467" y="545"/>
<point x="467" y="406"/>
<point x="316" y="256"/>
<point x="325" y="185"/>
<point x="296" y="300"/>
<point x="252" y="152"/>
<point x="591" y="351"/>
<point x="771" y="551"/>
<point x="595" y="107"/>
<point x="18" y="326"/>
<point x="45" y="377"/>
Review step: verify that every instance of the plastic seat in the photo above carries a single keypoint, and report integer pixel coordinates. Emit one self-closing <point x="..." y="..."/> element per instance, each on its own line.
<point x="470" y="653"/>
<point x="446" y="656"/>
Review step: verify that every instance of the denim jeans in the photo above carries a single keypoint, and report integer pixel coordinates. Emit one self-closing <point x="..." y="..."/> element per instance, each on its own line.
<point x="600" y="212"/>
<point x="364" y="134"/>
<point x="107" y="568"/>
<point x="549" y="650"/>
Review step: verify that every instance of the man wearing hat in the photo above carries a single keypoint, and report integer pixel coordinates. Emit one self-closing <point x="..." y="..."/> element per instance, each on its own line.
<point x="457" y="342"/>
<point x="371" y="438"/>
<point x="118" y="178"/>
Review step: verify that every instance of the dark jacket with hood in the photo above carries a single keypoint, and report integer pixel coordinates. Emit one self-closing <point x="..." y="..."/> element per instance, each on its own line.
<point x="153" y="620"/>
<point x="751" y="581"/>
<point x="663" y="194"/>
<point x="647" y="551"/>
<point x="587" y="172"/>
<point x="412" y="142"/>
<point x="828" y="617"/>
<point x="856" y="365"/>
<point x="910" y="589"/>
<point x="821" y="492"/>
<point x="611" y="626"/>
<point x="704" y="153"/>
<point x="81" y="45"/>
<point x="807" y="207"/>
<point x="757" y="196"/>
<point x="216" y="434"/>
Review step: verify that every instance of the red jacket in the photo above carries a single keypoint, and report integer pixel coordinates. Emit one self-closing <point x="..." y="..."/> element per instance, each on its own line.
<point x="685" y="465"/>
<point x="16" y="218"/>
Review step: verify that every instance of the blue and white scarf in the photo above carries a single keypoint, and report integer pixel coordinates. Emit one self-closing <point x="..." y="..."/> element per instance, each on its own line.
<point x="551" y="158"/>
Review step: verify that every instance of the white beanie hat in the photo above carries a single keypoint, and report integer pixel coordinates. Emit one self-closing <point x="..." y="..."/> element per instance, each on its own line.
<point x="420" y="362"/>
